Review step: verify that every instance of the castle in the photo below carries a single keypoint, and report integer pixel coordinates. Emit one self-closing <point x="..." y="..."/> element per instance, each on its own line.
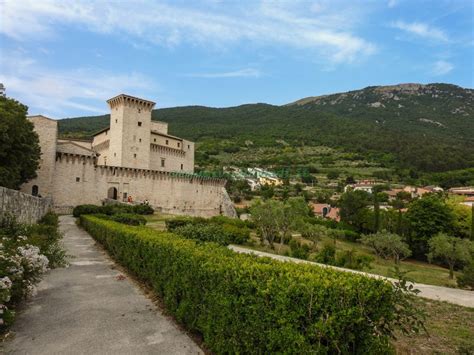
<point x="132" y="160"/>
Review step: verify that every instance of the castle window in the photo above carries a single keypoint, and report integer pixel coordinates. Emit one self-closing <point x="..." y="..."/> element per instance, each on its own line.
<point x="179" y="144"/>
<point x="181" y="166"/>
<point x="134" y="155"/>
<point x="162" y="163"/>
<point x="167" y="142"/>
<point x="154" y="139"/>
<point x="139" y="123"/>
<point x="139" y="111"/>
<point x="78" y="179"/>
<point x="34" y="190"/>
<point x="115" y="154"/>
<point x="116" y="121"/>
<point x="189" y="147"/>
<point x="140" y="140"/>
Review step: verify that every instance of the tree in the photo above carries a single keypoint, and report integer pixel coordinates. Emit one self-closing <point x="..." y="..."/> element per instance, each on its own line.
<point x="19" y="145"/>
<point x="450" y="250"/>
<point x="462" y="217"/>
<point x="333" y="175"/>
<point x="353" y="209"/>
<point x="400" y="202"/>
<point x="387" y="245"/>
<point x="263" y="215"/>
<point x="427" y="216"/>
<point x="290" y="215"/>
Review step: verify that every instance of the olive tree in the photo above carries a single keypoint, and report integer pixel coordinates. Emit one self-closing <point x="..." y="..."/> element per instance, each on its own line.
<point x="387" y="245"/>
<point x="451" y="250"/>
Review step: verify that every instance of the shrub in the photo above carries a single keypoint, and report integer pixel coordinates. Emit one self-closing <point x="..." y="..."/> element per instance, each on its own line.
<point x="128" y="218"/>
<point x="327" y="254"/>
<point x="352" y="260"/>
<point x="245" y="304"/>
<point x="85" y="209"/>
<point x="112" y="209"/>
<point x="466" y="279"/>
<point x="221" y="234"/>
<point x="299" y="250"/>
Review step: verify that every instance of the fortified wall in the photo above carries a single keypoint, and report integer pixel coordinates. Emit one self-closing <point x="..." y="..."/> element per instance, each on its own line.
<point x="78" y="180"/>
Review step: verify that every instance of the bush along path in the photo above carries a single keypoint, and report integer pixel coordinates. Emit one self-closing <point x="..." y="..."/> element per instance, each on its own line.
<point x="90" y="307"/>
<point x="244" y="304"/>
<point x="438" y="293"/>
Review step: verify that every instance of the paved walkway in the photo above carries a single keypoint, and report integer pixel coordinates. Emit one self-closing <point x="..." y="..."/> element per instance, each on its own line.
<point x="438" y="293"/>
<point x="89" y="308"/>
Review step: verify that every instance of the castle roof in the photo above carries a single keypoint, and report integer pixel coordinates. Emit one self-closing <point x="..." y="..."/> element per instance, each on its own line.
<point x="128" y="98"/>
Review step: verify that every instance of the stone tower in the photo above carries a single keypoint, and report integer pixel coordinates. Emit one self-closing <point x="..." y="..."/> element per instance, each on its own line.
<point x="130" y="125"/>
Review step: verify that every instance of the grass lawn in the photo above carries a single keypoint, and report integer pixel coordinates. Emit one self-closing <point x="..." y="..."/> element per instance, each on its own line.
<point x="450" y="331"/>
<point x="418" y="271"/>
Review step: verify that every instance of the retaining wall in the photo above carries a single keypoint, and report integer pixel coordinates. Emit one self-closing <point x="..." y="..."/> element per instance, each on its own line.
<point x="26" y="208"/>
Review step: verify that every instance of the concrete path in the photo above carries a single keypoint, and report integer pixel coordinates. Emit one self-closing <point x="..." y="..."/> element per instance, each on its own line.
<point x="90" y="308"/>
<point x="438" y="293"/>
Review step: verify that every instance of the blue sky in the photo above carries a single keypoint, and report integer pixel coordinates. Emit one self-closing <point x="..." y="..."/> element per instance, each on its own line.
<point x="65" y="58"/>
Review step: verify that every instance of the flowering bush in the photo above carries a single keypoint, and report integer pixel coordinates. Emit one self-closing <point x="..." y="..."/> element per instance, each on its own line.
<point x="23" y="261"/>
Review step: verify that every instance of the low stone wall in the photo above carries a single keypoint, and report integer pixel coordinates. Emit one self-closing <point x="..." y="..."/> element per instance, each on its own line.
<point x="26" y="208"/>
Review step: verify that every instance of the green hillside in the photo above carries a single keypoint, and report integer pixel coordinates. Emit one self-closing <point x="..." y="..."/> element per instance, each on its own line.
<point x="426" y="128"/>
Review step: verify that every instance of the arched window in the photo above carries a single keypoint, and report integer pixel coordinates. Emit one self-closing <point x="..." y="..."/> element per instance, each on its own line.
<point x="35" y="190"/>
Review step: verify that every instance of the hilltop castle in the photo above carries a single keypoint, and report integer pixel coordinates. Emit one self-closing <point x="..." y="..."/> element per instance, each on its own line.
<point x="134" y="158"/>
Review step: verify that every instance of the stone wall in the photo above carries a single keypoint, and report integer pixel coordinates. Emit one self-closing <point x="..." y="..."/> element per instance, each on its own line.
<point x="26" y="208"/>
<point x="78" y="181"/>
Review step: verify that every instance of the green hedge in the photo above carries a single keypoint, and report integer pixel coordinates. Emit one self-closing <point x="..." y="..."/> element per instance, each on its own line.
<point x="219" y="229"/>
<point x="244" y="304"/>
<point x="112" y="209"/>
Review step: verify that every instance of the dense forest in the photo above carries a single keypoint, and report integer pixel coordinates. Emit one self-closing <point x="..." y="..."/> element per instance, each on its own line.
<point x="420" y="128"/>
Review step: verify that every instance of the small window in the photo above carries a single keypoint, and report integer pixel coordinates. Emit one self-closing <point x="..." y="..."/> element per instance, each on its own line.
<point x="115" y="154"/>
<point x="189" y="147"/>
<point x="78" y="179"/>
<point x="162" y="163"/>
<point x="116" y="121"/>
<point x="139" y="111"/>
<point x="154" y="139"/>
<point x="179" y="144"/>
<point x="167" y="142"/>
<point x="140" y="140"/>
<point x="139" y="123"/>
<point x="181" y="166"/>
<point x="34" y="190"/>
<point x="134" y="155"/>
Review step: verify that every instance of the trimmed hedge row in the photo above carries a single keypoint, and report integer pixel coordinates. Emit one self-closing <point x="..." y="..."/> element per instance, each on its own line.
<point x="245" y="304"/>
<point x="220" y="229"/>
<point x="125" y="218"/>
<point x="111" y="209"/>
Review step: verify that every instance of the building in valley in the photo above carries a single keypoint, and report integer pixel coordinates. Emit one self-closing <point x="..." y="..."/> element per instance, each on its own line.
<point x="134" y="158"/>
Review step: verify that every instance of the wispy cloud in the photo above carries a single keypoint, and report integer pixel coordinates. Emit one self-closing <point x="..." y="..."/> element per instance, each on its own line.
<point x="327" y="32"/>
<point x="242" y="73"/>
<point x="422" y="30"/>
<point x="441" y="67"/>
<point x="53" y="92"/>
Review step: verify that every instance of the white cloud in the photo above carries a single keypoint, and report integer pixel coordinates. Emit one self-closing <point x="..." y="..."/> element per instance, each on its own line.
<point x="441" y="67"/>
<point x="327" y="31"/>
<point x="422" y="30"/>
<point x="392" y="3"/>
<point x="53" y="92"/>
<point x="242" y="73"/>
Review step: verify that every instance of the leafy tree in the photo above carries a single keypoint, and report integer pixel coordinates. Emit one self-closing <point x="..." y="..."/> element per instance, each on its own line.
<point x="353" y="209"/>
<point x="401" y="200"/>
<point x="387" y="245"/>
<point x="466" y="279"/>
<point x="263" y="215"/>
<point x="451" y="250"/>
<point x="427" y="216"/>
<point x="462" y="217"/>
<point x="19" y="145"/>
<point x="290" y="215"/>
